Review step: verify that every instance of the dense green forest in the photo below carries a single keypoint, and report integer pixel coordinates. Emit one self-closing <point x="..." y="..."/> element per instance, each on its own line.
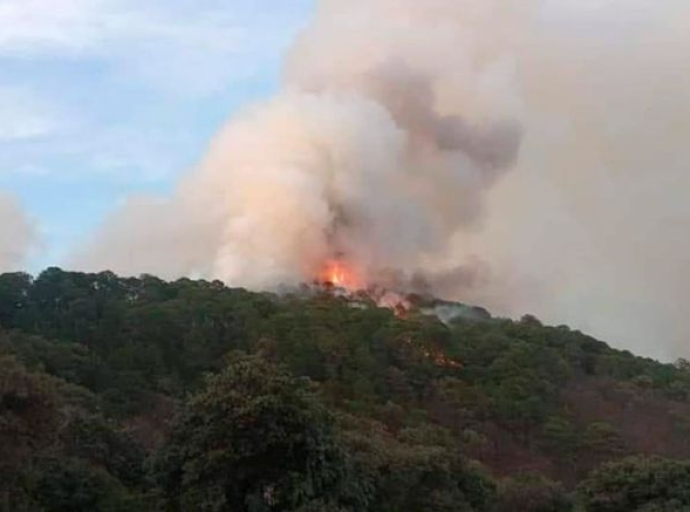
<point x="138" y="394"/>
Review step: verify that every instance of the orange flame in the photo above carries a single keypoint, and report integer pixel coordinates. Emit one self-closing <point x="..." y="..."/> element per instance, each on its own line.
<point x="338" y="274"/>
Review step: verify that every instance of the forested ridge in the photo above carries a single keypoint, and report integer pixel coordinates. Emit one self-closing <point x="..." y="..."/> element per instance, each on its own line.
<point x="138" y="394"/>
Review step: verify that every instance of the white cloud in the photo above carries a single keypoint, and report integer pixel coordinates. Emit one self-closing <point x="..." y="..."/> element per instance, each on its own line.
<point x="71" y="72"/>
<point x="24" y="116"/>
<point x="125" y="156"/>
<point x="178" y="46"/>
<point x="35" y="27"/>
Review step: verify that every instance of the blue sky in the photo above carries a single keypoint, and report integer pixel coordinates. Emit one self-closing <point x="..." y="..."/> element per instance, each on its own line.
<point x="100" y="99"/>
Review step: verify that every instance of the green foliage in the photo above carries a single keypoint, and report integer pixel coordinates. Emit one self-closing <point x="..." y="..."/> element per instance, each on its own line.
<point x="14" y="295"/>
<point x="29" y="410"/>
<point x="29" y="416"/>
<point x="55" y="455"/>
<point x="254" y="439"/>
<point x="561" y="437"/>
<point x="532" y="493"/>
<point x="417" y="471"/>
<point x="90" y="365"/>
<point x="604" y="440"/>
<point x="73" y="485"/>
<point x="93" y="439"/>
<point x="638" y="485"/>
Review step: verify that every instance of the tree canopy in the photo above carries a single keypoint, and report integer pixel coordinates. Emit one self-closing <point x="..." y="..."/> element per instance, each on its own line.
<point x="141" y="394"/>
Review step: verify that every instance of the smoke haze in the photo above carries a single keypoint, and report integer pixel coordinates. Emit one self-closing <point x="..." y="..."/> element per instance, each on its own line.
<point x="529" y="156"/>
<point x="17" y="235"/>
<point x="591" y="229"/>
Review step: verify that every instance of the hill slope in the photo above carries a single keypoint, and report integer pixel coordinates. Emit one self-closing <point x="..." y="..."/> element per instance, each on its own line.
<point x="97" y="372"/>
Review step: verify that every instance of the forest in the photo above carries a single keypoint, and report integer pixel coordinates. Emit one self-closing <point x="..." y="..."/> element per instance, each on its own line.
<point x="137" y="394"/>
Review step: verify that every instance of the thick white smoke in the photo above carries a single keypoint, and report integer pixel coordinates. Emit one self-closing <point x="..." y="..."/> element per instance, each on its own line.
<point x="17" y="234"/>
<point x="379" y="150"/>
<point x="391" y="141"/>
<point x="592" y="227"/>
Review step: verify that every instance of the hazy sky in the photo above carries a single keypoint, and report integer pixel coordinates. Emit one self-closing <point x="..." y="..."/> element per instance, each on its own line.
<point x="102" y="98"/>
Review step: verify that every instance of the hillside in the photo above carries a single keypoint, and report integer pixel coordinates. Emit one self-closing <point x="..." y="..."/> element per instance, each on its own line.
<point x="139" y="394"/>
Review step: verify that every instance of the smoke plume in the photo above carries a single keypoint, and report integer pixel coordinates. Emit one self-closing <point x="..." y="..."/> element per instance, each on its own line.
<point x="17" y="234"/>
<point x="378" y="150"/>
<point x="527" y="155"/>
<point x="591" y="228"/>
